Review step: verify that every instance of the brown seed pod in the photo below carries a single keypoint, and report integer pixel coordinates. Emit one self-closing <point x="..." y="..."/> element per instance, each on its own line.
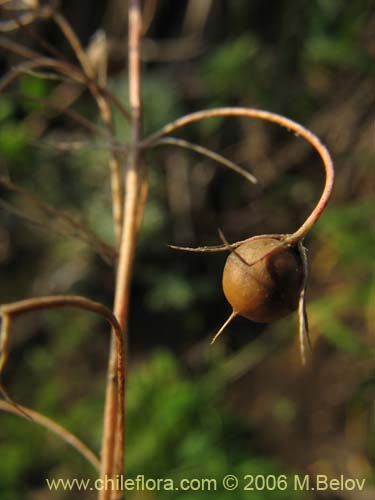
<point x="262" y="279"/>
<point x="265" y="277"/>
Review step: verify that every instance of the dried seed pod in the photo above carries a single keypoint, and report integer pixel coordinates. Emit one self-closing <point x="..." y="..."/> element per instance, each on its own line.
<point x="262" y="279"/>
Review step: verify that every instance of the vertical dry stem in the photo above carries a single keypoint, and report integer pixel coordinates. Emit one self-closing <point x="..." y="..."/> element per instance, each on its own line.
<point x="112" y="455"/>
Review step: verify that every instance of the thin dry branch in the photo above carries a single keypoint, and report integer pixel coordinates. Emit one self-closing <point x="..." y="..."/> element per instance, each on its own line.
<point x="222" y="248"/>
<point x="101" y="94"/>
<point x="65" y="68"/>
<point x="54" y="427"/>
<point x="33" y="34"/>
<point x="43" y="62"/>
<point x="19" y="49"/>
<point x="52" y="103"/>
<point x="181" y="143"/>
<point x="106" y="115"/>
<point x="75" y="228"/>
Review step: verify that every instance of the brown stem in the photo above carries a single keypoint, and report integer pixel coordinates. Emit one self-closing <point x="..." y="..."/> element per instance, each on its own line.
<point x="301" y="232"/>
<point x="173" y="141"/>
<point x="57" y="429"/>
<point x="56" y="301"/>
<point x="112" y="451"/>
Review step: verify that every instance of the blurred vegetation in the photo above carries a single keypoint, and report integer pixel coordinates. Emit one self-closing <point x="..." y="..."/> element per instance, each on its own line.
<point x="243" y="406"/>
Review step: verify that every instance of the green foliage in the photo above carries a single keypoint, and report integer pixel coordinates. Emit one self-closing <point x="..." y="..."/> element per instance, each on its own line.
<point x="196" y="437"/>
<point x="13" y="141"/>
<point x="33" y="89"/>
<point x="177" y="427"/>
<point x="346" y="233"/>
<point x="223" y="67"/>
<point x="347" y="230"/>
<point x="170" y="291"/>
<point x="6" y="107"/>
<point x="333" y="52"/>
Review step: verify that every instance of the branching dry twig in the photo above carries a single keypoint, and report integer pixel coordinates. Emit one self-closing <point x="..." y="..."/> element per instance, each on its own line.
<point x="106" y="115"/>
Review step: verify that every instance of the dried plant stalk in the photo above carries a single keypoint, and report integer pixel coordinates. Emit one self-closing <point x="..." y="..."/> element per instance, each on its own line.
<point x="112" y="453"/>
<point x="57" y="429"/>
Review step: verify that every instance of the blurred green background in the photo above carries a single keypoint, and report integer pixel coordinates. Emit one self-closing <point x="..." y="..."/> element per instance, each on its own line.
<point x="245" y="405"/>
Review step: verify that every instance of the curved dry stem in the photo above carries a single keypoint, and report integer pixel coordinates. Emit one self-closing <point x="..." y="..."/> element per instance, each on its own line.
<point x="226" y="323"/>
<point x="181" y="143"/>
<point x="61" y="301"/>
<point x="301" y="232"/>
<point x="54" y="427"/>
